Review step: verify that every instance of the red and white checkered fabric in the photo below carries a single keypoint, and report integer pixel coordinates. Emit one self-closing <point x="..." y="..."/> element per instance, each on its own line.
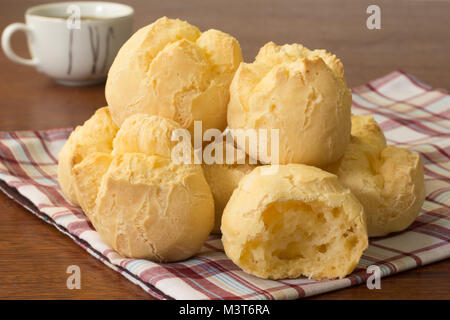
<point x="410" y="113"/>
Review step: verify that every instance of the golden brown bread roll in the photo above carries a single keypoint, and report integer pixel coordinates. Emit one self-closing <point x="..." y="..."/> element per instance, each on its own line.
<point x="298" y="221"/>
<point x="95" y="135"/>
<point x="169" y="68"/>
<point x="149" y="207"/>
<point x="224" y="177"/>
<point x="151" y="135"/>
<point x="143" y="204"/>
<point x="88" y="175"/>
<point x="300" y="92"/>
<point x="387" y="180"/>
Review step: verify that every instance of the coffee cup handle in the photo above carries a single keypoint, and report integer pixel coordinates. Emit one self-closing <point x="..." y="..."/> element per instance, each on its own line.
<point x="6" y="43"/>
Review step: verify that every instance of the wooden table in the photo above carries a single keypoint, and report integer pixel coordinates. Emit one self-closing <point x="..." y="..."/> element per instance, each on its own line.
<point x="415" y="36"/>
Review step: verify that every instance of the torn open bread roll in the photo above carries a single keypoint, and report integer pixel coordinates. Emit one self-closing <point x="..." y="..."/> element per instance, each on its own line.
<point x="297" y="221"/>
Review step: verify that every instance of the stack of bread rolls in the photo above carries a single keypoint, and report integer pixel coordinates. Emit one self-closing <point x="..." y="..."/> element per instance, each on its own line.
<point x="307" y="210"/>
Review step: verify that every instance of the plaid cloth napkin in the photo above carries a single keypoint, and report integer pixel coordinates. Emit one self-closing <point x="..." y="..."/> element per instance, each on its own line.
<point x="410" y="113"/>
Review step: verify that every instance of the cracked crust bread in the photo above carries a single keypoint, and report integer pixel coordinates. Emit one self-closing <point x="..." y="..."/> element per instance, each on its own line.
<point x="298" y="221"/>
<point x="387" y="180"/>
<point x="143" y="204"/>
<point x="300" y="92"/>
<point x="152" y="208"/>
<point x="94" y="136"/>
<point x="224" y="178"/>
<point x="171" y="69"/>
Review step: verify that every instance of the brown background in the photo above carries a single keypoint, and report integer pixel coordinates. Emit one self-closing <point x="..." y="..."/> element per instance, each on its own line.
<point x="415" y="37"/>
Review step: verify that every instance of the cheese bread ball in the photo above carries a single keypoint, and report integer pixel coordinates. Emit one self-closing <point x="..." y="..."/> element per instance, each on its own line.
<point x="143" y="204"/>
<point x="298" y="221"/>
<point x="87" y="177"/>
<point x="171" y="69"/>
<point x="224" y="177"/>
<point x="387" y="180"/>
<point x="150" y="207"/>
<point x="94" y="136"/>
<point x="298" y="91"/>
<point x="139" y="134"/>
<point x="150" y="135"/>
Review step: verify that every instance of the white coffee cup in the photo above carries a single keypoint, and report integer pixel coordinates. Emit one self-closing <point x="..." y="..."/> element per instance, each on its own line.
<point x="72" y="42"/>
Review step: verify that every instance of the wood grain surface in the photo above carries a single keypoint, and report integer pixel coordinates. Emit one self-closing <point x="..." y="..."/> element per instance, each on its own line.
<point x="415" y="37"/>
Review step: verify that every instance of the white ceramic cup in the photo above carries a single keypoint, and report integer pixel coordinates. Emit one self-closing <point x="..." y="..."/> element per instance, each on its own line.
<point x="74" y="43"/>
